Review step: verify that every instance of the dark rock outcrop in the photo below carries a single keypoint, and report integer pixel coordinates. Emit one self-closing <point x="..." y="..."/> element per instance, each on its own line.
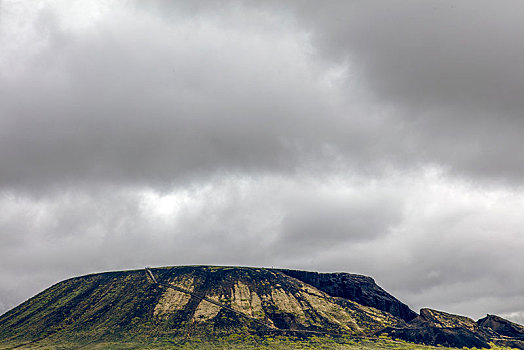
<point x="456" y="337"/>
<point x="502" y="326"/>
<point x="440" y="319"/>
<point x="502" y="332"/>
<point x="358" y="288"/>
<point x="434" y="327"/>
<point x="510" y="343"/>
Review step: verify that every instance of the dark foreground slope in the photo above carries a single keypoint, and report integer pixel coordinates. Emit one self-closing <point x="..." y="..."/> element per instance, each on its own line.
<point x="127" y="304"/>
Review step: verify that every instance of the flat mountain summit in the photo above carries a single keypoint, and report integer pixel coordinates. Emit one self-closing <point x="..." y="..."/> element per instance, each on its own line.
<point x="203" y="301"/>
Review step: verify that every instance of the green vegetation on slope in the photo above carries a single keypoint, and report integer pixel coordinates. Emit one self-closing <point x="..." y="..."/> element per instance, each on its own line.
<point x="125" y="305"/>
<point x="212" y="307"/>
<point x="238" y="342"/>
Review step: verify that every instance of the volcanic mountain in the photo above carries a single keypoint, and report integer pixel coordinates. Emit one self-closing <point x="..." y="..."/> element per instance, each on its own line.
<point x="204" y="301"/>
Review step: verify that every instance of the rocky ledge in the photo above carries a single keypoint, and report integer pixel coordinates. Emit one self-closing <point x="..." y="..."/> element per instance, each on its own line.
<point x="434" y="327"/>
<point x="358" y="288"/>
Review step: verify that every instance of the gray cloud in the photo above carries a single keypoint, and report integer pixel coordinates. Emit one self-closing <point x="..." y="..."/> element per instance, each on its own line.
<point x="377" y="138"/>
<point x="159" y="100"/>
<point x="429" y="246"/>
<point x="321" y="222"/>
<point x="429" y="54"/>
<point x="140" y="99"/>
<point x="453" y="70"/>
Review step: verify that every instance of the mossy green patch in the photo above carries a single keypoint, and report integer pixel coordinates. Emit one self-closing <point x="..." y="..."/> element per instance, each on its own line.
<point x="238" y="341"/>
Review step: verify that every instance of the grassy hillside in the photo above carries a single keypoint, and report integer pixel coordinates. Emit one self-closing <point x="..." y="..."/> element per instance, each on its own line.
<point x="127" y="305"/>
<point x="209" y="307"/>
<point x="238" y="342"/>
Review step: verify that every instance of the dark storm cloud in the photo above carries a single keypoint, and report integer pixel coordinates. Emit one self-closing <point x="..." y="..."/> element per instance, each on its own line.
<point x="455" y="70"/>
<point x="466" y="54"/>
<point x="148" y="97"/>
<point x="136" y="97"/>
<point x="343" y="136"/>
<point x="145" y="99"/>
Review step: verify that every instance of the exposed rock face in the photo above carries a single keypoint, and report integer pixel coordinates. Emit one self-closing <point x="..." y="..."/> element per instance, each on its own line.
<point x="127" y="303"/>
<point x="208" y="300"/>
<point x="434" y="327"/>
<point x="502" y="326"/>
<point x="358" y="288"/>
<point x="431" y="335"/>
<point x="503" y="332"/>
<point x="442" y="319"/>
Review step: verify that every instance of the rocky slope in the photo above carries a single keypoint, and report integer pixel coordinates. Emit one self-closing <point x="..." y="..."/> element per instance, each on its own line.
<point x="506" y="332"/>
<point x="361" y="289"/>
<point x="440" y="328"/>
<point x="502" y="327"/>
<point x="208" y="301"/>
<point x="128" y="303"/>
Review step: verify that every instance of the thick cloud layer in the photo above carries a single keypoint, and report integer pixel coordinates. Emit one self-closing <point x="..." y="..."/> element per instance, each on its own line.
<point x="376" y="138"/>
<point x="454" y="70"/>
<point x="144" y="99"/>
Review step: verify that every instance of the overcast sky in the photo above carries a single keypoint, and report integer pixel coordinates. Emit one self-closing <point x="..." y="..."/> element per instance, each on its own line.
<point x="375" y="137"/>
